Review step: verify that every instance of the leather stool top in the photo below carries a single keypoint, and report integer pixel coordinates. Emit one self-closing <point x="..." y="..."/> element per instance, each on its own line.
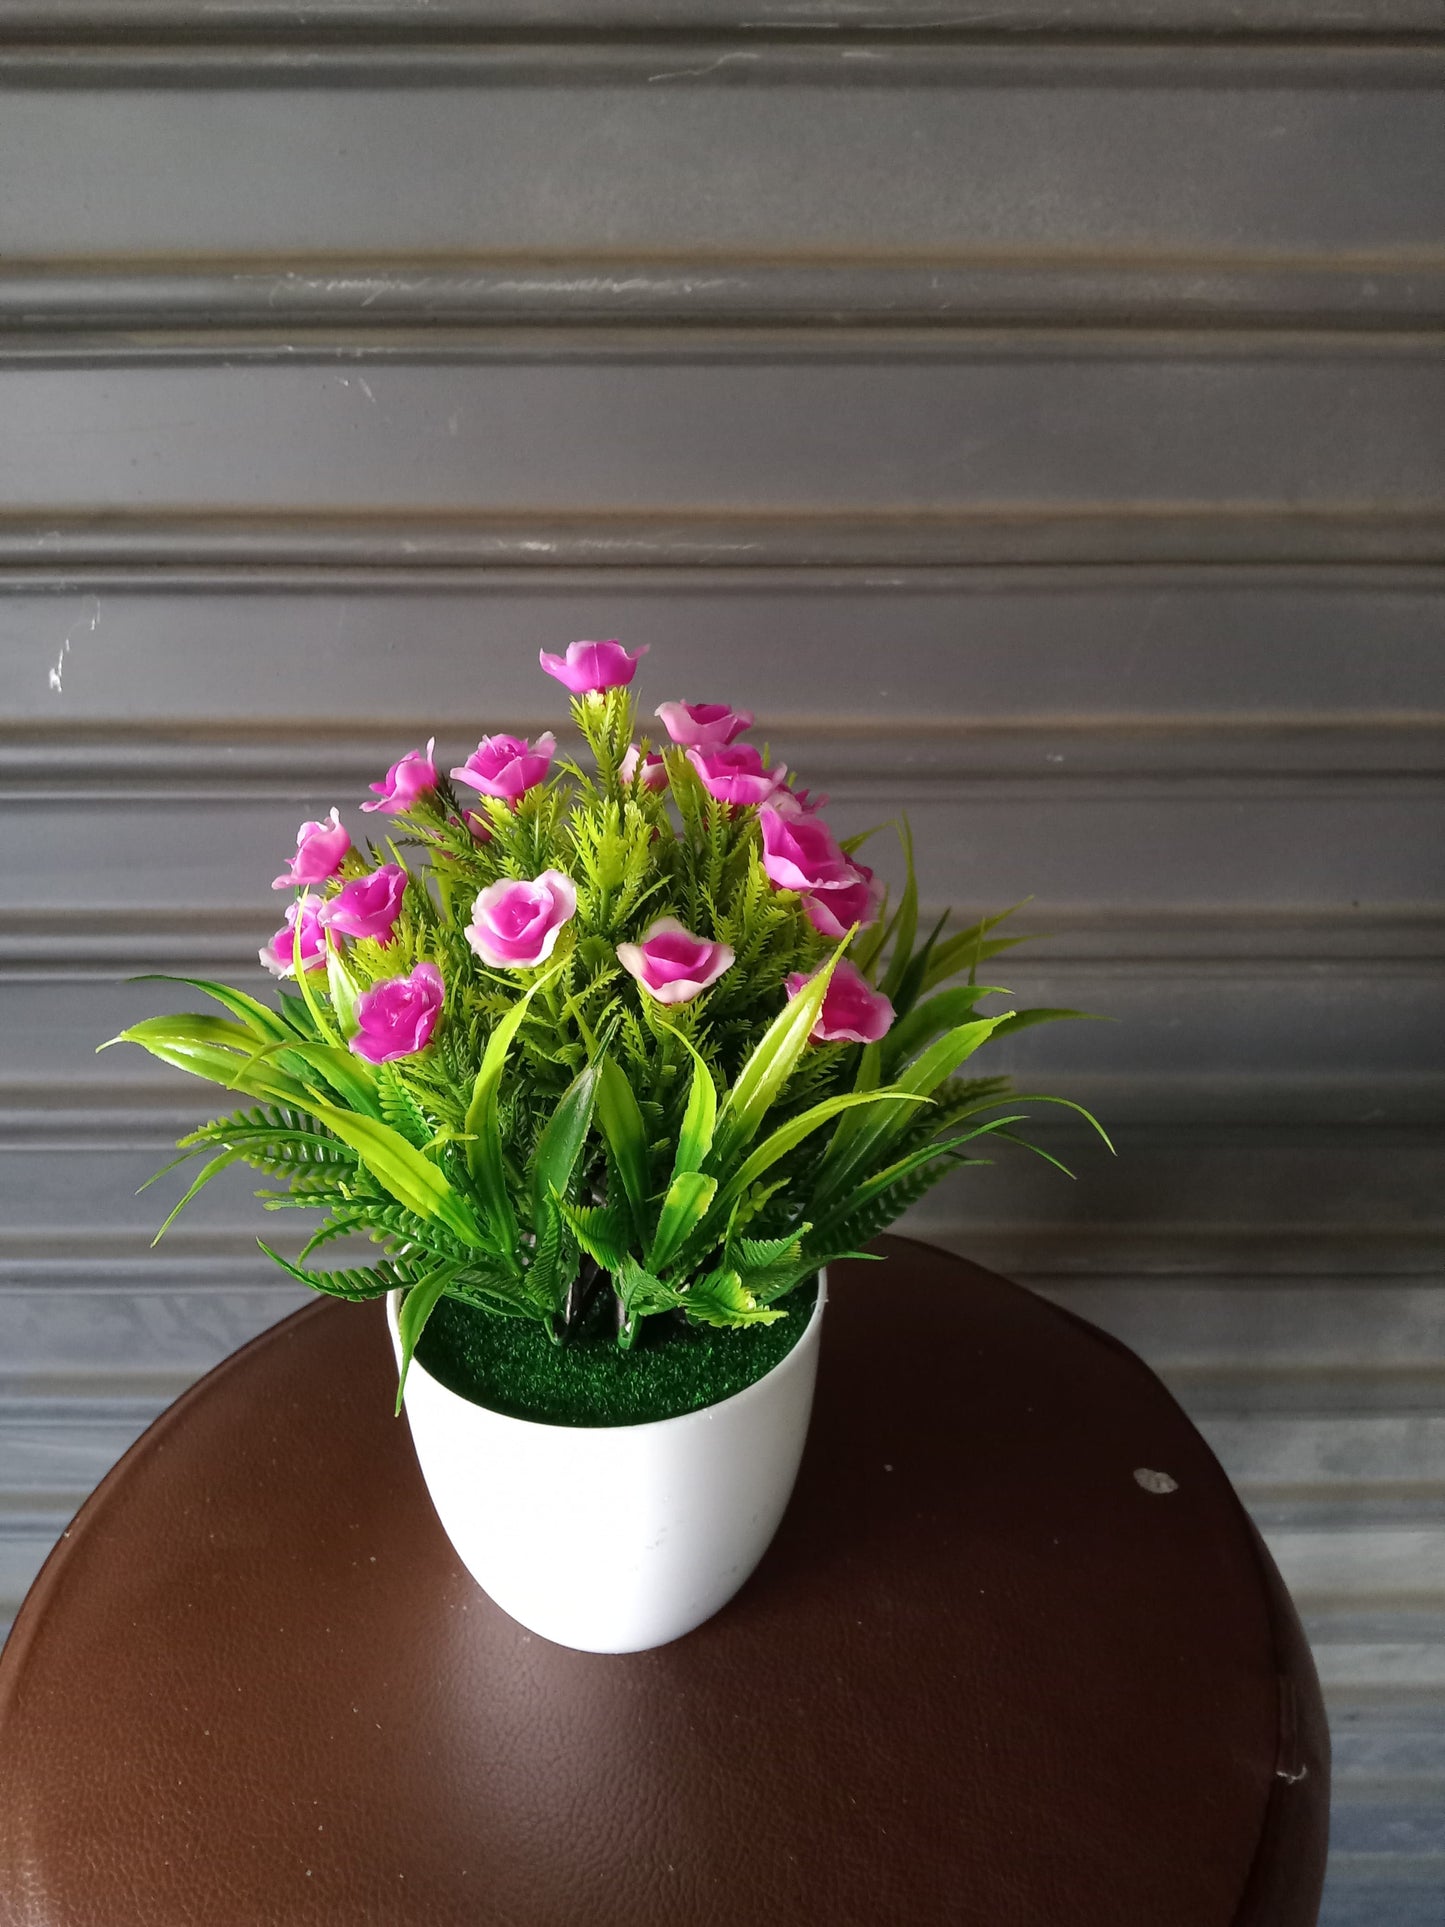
<point x="1016" y="1659"/>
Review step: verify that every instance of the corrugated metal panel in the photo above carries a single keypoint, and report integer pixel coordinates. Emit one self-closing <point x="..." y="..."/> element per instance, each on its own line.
<point x="1042" y="407"/>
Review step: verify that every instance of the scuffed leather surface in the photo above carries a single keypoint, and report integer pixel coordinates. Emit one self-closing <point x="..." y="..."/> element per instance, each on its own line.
<point x="983" y="1677"/>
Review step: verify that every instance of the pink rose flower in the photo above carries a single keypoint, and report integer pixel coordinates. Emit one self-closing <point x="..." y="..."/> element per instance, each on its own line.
<point x="796" y="803"/>
<point x="507" y="766"/>
<point x="671" y="964"/>
<point x="704" y="725"/>
<point x="396" y="1018"/>
<point x="405" y="781"/>
<point x="654" y="770"/>
<point x="367" y="906"/>
<point x="590" y="667"/>
<point x="800" y="853"/>
<point x="319" y="850"/>
<point x="853" y="1011"/>
<point x="735" y="773"/>
<point x="514" y="925"/>
<point x="478" y="825"/>
<point x="279" y="955"/>
<point x="833" y="913"/>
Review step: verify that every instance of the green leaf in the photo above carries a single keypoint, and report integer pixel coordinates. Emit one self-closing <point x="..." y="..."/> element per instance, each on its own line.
<point x="626" y="1137"/>
<point x="344" y="1075"/>
<point x="967" y="948"/>
<point x="412" y="1179"/>
<point x="788" y="1136"/>
<point x="758" y="1254"/>
<point x="949" y="1007"/>
<point x="208" y="1171"/>
<point x="911" y="982"/>
<point x="694" y="1140"/>
<point x="263" y="1023"/>
<point x="642" y="1292"/>
<point x="186" y="1029"/>
<point x="722" y="1299"/>
<point x="771" y="1064"/>
<point x="600" y="1229"/>
<point x="1024" y="1019"/>
<point x="368" y="1282"/>
<point x="483" y="1124"/>
<point x="907" y="921"/>
<point x="416" y="1308"/>
<point x="561" y="1143"/>
<point x="688" y="1198"/>
<point x="308" y="995"/>
<point x="343" y="989"/>
<point x="220" y="1052"/>
<point x="922" y="1077"/>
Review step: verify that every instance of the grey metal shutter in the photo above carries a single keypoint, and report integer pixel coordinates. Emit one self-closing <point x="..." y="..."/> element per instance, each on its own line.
<point x="1041" y="407"/>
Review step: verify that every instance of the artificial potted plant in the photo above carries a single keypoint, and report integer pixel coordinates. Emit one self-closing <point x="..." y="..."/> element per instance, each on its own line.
<point x="610" y="1063"/>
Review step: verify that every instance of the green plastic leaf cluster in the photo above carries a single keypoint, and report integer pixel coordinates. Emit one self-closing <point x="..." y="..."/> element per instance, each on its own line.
<point x="563" y="1131"/>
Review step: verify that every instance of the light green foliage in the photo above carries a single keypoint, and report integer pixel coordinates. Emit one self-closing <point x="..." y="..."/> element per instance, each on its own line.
<point x="706" y="1157"/>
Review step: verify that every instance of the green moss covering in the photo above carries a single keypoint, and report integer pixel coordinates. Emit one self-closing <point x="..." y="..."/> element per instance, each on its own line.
<point x="510" y="1364"/>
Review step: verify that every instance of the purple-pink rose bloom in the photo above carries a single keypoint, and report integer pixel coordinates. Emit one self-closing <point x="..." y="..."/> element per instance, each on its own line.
<point x="671" y="964"/>
<point x="507" y="766"/>
<point x="735" y="773"/>
<point x="405" y="781"/>
<point x="279" y="955"/>
<point x="368" y="906"/>
<point x="589" y="667"/>
<point x="796" y="803"/>
<point x="833" y="913"/>
<point x="514" y="924"/>
<point x="319" y="850"/>
<point x="853" y="1011"/>
<point x="396" y="1018"/>
<point x="704" y="725"/>
<point x="800" y="853"/>
<point x="654" y="770"/>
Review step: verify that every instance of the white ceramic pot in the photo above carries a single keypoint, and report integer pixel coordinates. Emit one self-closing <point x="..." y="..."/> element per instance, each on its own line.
<point x="615" y="1538"/>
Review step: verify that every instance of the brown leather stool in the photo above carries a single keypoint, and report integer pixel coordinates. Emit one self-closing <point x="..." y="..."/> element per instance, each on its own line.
<point x="995" y="1669"/>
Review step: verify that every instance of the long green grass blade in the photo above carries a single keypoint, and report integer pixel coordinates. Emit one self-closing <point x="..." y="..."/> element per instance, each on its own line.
<point x="907" y="929"/>
<point x="416" y="1308"/>
<point x="686" y="1205"/>
<point x="208" y="1171"/>
<point x="626" y="1138"/>
<point x="789" y="1136"/>
<point x="265" y="1023"/>
<point x="771" y="1064"/>
<point x="699" y="1121"/>
<point x="483" y="1125"/>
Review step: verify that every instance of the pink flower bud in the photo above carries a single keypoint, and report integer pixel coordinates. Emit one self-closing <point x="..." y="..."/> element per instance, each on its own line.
<point x="396" y="1018"/>
<point x="654" y="770"/>
<point x="279" y="955"/>
<point x="833" y="913"/>
<point x="507" y="766"/>
<point x="367" y="906"/>
<point x="319" y="850"/>
<point x="514" y="925"/>
<point x="590" y="667"/>
<point x="405" y="781"/>
<point x="671" y="964"/>
<point x="735" y="773"/>
<point x="704" y="725"/>
<point x="853" y="1011"/>
<point x="799" y="853"/>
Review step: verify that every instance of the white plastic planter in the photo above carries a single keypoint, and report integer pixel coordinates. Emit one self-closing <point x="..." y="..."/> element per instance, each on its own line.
<point x="613" y="1539"/>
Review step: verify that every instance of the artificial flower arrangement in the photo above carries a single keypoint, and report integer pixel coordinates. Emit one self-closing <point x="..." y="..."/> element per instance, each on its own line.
<point x="644" y="1036"/>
